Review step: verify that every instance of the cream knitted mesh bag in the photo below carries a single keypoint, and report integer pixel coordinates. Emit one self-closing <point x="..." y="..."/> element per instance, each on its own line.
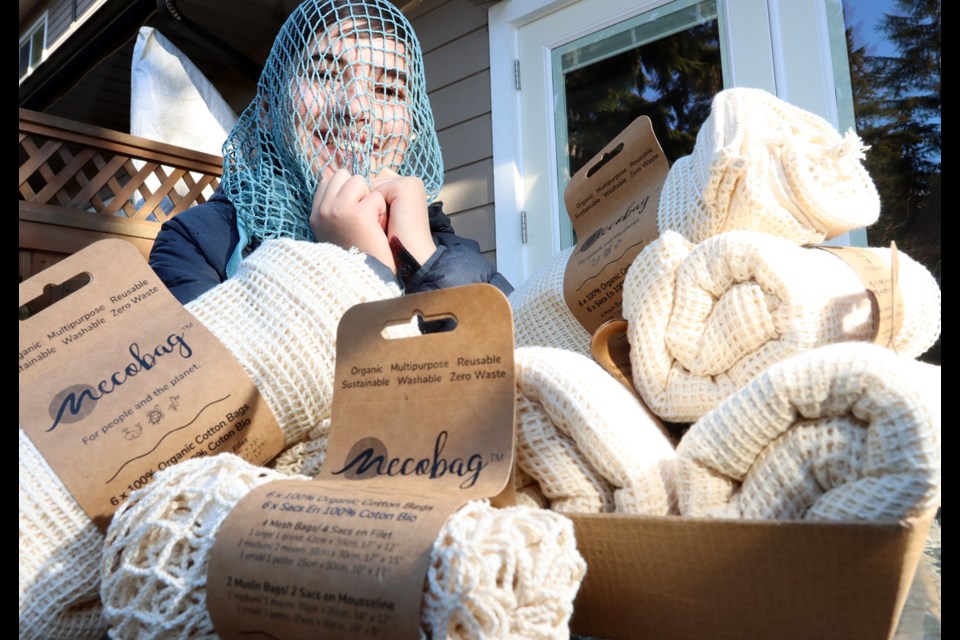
<point x="586" y="440"/>
<point x="762" y="164"/>
<point x="704" y="320"/>
<point x="845" y="432"/>
<point x="508" y="573"/>
<point x="279" y="318"/>
<point x="541" y="316"/>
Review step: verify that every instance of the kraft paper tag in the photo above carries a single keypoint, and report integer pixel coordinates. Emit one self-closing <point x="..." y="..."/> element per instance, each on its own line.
<point x="612" y="202"/>
<point x="881" y="281"/>
<point x="119" y="381"/>
<point x="610" y="347"/>
<point x="420" y="426"/>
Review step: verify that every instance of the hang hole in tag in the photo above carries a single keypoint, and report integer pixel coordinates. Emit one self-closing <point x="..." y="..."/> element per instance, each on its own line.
<point x="607" y="157"/>
<point x="53" y="293"/>
<point x="419" y="324"/>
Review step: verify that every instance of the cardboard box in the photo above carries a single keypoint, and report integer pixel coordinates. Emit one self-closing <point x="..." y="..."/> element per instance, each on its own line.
<point x="672" y="577"/>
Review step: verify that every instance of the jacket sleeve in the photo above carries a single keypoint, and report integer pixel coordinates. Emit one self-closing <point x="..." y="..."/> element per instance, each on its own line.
<point x="456" y="262"/>
<point x="191" y="251"/>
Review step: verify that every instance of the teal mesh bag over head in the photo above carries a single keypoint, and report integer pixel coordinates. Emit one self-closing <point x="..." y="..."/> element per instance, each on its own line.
<point x="343" y="87"/>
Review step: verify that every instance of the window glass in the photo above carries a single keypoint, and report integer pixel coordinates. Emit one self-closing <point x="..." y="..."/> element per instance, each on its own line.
<point x="665" y="64"/>
<point x="31" y="47"/>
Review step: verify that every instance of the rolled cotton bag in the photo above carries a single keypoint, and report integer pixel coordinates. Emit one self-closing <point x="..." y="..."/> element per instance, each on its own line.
<point x="494" y="573"/>
<point x="586" y="439"/>
<point x="278" y="316"/>
<point x="541" y="316"/>
<point x="847" y="432"/>
<point x="762" y="164"/>
<point x="705" y="319"/>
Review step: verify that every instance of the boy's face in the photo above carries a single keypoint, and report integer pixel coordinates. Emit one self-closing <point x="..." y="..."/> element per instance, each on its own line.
<point x="351" y="102"/>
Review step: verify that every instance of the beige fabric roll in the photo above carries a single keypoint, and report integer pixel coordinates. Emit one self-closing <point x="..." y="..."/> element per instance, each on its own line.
<point x="705" y="319"/>
<point x="509" y="573"/>
<point x="279" y="317"/>
<point x="583" y="437"/>
<point x="761" y="164"/>
<point x="541" y="316"/>
<point x="847" y="432"/>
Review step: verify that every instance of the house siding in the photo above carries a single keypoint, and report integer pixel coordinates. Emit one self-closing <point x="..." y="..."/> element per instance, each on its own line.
<point x="454" y="38"/>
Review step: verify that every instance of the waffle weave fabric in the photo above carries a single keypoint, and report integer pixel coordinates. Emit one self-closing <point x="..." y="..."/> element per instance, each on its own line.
<point x="705" y="319"/>
<point x="508" y="573"/>
<point x="761" y="164"/>
<point x="584" y="437"/>
<point x="847" y="432"/>
<point x="541" y="316"/>
<point x="278" y="317"/>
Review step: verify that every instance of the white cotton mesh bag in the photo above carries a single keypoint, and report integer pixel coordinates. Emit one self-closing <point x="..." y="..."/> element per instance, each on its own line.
<point x="847" y="432"/>
<point x="494" y="573"/>
<point x="278" y="317"/>
<point x="586" y="439"/>
<point x="703" y="320"/>
<point x="541" y="316"/>
<point x="762" y="164"/>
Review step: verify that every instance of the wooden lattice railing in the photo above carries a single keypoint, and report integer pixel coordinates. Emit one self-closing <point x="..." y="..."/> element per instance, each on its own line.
<point x="80" y="184"/>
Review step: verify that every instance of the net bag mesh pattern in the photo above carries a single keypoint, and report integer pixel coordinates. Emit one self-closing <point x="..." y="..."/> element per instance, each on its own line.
<point x="494" y="573"/>
<point x="343" y="87"/>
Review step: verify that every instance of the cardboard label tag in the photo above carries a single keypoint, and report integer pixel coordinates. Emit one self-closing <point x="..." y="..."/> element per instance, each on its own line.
<point x="882" y="284"/>
<point x="420" y="426"/>
<point x="610" y="347"/>
<point x="119" y="381"/>
<point x="612" y="202"/>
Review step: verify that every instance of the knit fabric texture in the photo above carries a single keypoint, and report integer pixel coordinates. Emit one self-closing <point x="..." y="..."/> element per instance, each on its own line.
<point x="541" y="316"/>
<point x="278" y="317"/>
<point x="305" y="457"/>
<point x="705" y="319"/>
<point x="847" y="432"/>
<point x="583" y="437"/>
<point x="343" y="87"/>
<point x="509" y="573"/>
<point x="762" y="164"/>
<point x="59" y="560"/>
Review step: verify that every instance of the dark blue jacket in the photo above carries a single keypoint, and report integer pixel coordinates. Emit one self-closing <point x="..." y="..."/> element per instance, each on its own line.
<point x="191" y="252"/>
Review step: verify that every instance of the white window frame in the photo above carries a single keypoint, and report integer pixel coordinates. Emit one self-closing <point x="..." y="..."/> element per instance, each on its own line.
<point x="782" y="46"/>
<point x="28" y="37"/>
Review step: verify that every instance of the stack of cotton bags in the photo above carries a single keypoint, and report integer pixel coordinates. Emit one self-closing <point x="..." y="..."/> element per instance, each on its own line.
<point x="494" y="573"/>
<point x="764" y="343"/>
<point x="279" y="317"/>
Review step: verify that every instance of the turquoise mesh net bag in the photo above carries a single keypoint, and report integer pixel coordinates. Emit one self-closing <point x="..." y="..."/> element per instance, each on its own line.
<point x="343" y="87"/>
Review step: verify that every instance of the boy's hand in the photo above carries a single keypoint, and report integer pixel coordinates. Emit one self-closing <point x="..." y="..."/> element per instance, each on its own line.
<point x="406" y="201"/>
<point x="347" y="213"/>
